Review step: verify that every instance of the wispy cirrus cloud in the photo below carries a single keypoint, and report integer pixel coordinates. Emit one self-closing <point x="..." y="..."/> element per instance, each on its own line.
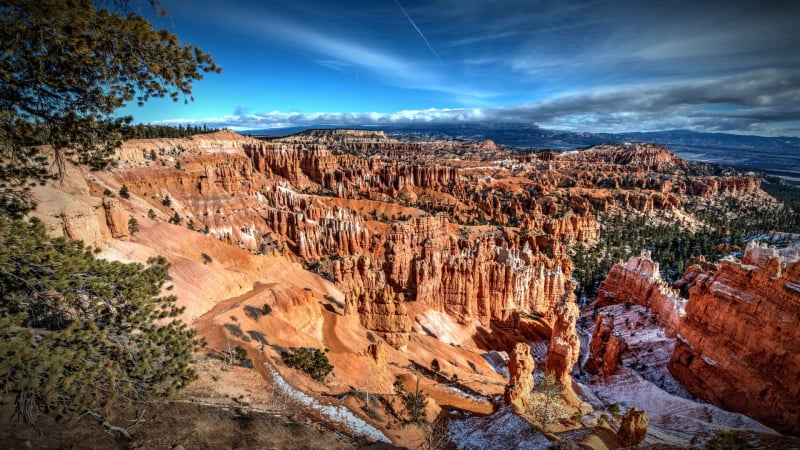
<point x="337" y="52"/>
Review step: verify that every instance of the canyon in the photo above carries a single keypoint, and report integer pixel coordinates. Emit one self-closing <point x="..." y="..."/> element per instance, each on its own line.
<point x="450" y="251"/>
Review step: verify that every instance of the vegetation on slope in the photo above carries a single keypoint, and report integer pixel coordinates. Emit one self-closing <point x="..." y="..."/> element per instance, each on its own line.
<point x="80" y="334"/>
<point x="67" y="68"/>
<point x="727" y="219"/>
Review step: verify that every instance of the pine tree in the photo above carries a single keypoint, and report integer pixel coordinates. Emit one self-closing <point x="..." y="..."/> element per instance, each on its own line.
<point x="81" y="334"/>
<point x="65" y="68"/>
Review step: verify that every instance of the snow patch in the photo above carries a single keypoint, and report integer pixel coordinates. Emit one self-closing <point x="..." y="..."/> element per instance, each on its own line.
<point x="441" y="326"/>
<point x="501" y="430"/>
<point x="331" y="413"/>
<point x="673" y="419"/>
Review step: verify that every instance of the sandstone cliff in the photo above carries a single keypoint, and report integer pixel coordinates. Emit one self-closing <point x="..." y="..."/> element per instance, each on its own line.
<point x="739" y="343"/>
<point x="639" y="282"/>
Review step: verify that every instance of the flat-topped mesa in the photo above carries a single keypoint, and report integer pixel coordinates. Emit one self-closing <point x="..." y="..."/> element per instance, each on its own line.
<point x="142" y="151"/>
<point x="638" y="281"/>
<point x="340" y="136"/>
<point x="641" y="156"/>
<point x="739" y="344"/>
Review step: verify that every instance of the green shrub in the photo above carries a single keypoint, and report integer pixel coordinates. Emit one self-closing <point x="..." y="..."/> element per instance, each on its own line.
<point x="133" y="225"/>
<point x="252" y="312"/>
<point x="124" y="193"/>
<point x="727" y="440"/>
<point x="266" y="309"/>
<point x="235" y="330"/>
<point x="312" y="361"/>
<point x="258" y="336"/>
<point x="414" y="403"/>
<point x="206" y="259"/>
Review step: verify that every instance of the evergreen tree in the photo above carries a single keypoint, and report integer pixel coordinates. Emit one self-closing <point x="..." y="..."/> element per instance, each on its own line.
<point x="81" y="334"/>
<point x="65" y="68"/>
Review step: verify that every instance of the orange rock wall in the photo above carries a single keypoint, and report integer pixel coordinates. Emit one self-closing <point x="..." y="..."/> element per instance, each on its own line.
<point x="638" y="281"/>
<point x="739" y="344"/>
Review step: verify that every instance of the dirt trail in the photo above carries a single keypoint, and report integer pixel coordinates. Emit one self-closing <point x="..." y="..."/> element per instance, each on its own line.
<point x="206" y="321"/>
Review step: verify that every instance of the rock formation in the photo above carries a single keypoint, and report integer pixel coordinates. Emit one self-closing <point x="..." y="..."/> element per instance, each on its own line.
<point x="520" y="379"/>
<point x="633" y="428"/>
<point x="639" y="282"/>
<point x="382" y="311"/>
<point x="606" y="347"/>
<point x="564" y="343"/>
<point x="739" y="343"/>
<point x="378" y="353"/>
<point x="116" y="218"/>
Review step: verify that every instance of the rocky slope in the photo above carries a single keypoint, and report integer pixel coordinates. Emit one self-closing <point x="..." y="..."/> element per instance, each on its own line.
<point x="739" y="344"/>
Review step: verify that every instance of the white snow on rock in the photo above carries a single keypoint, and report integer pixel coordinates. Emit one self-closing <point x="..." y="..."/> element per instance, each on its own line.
<point x="441" y="326"/>
<point x="643" y="381"/>
<point x="673" y="419"/>
<point x="331" y="413"/>
<point x="503" y="429"/>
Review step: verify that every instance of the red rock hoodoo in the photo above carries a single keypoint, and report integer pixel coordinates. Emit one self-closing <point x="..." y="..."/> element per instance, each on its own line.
<point x="520" y="378"/>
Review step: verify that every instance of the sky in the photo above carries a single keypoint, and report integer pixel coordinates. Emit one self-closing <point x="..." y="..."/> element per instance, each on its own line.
<point x="595" y="66"/>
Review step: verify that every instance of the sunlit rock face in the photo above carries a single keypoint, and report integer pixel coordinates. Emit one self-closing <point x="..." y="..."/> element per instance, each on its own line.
<point x="564" y="343"/>
<point x="639" y="282"/>
<point x="739" y="344"/>
<point x="520" y="381"/>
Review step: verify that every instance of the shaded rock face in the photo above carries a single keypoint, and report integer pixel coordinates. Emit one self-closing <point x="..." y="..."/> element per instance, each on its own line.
<point x="606" y="347"/>
<point x="564" y="343"/>
<point x="739" y="344"/>
<point x="378" y="353"/>
<point x="633" y="428"/>
<point x="639" y="282"/>
<point x="520" y="380"/>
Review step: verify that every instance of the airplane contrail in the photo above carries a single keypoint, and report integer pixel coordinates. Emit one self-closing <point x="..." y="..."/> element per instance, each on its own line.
<point x="419" y="31"/>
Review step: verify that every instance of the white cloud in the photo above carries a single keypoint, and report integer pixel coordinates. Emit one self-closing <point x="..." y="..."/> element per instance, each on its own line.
<point x="761" y="102"/>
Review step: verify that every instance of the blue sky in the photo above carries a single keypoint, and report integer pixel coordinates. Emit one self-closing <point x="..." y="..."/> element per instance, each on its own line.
<point x="602" y="66"/>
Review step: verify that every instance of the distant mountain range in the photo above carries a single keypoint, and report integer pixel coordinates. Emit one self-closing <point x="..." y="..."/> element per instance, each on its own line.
<point x="773" y="155"/>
